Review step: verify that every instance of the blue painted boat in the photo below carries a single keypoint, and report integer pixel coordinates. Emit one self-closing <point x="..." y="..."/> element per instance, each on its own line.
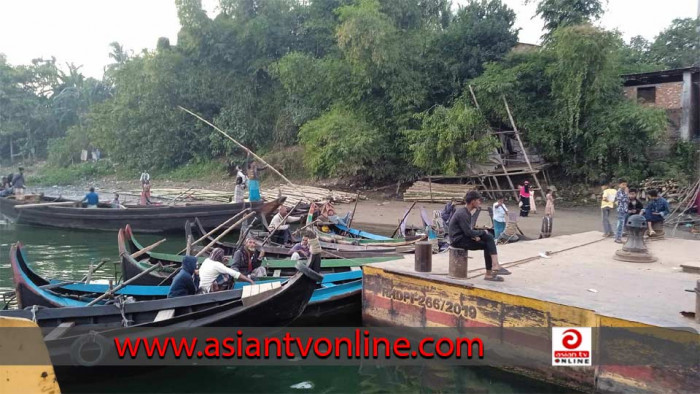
<point x="361" y="234"/>
<point x="335" y="301"/>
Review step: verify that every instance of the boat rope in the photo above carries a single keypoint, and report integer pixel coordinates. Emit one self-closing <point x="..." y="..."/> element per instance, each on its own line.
<point x="119" y="303"/>
<point x="34" y="309"/>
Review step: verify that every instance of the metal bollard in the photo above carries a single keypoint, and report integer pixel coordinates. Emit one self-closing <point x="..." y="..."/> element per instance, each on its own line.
<point x="424" y="257"/>
<point x="458" y="263"/>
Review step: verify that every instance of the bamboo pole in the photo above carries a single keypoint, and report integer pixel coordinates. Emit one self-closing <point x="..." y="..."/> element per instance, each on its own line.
<point x="180" y="195"/>
<point x="147" y="249"/>
<point x="228" y="230"/>
<point x="352" y="215"/>
<point x="93" y="269"/>
<point x="404" y="218"/>
<point x="45" y="204"/>
<point x="279" y="225"/>
<point x="245" y="149"/>
<point x="203" y="237"/>
<point x="113" y="290"/>
<point x="500" y="159"/>
<point x="520" y="142"/>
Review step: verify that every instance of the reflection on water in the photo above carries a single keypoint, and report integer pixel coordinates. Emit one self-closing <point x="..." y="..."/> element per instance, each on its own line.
<point x="430" y="379"/>
<point x="54" y="253"/>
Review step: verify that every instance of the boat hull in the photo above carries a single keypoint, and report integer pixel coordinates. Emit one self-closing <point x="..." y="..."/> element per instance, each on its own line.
<point x="146" y="219"/>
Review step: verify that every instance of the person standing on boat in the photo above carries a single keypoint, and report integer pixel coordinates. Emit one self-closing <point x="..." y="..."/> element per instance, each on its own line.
<point x="279" y="228"/>
<point x="92" y="199"/>
<point x="186" y="281"/>
<point x="145" y="194"/>
<point x="248" y="260"/>
<point x="18" y="184"/>
<point x="215" y="276"/>
<point x="239" y="189"/>
<point x="525" y="199"/>
<point x="253" y="182"/>
<point x="301" y="250"/>
<point x="463" y="236"/>
<point x="145" y="178"/>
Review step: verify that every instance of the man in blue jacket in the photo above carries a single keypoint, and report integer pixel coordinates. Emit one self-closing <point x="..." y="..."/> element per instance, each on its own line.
<point x="186" y="281"/>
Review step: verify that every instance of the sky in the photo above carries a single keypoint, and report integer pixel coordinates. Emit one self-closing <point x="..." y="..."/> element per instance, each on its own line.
<point x="80" y="31"/>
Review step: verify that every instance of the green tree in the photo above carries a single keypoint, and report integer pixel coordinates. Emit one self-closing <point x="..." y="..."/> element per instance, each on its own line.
<point x="677" y="46"/>
<point x="561" y="13"/>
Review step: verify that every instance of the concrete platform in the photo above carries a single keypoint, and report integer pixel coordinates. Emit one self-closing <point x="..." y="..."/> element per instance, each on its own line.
<point x="577" y="284"/>
<point x="652" y="293"/>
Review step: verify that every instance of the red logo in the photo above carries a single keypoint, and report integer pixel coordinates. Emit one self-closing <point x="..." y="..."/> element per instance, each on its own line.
<point x="572" y="340"/>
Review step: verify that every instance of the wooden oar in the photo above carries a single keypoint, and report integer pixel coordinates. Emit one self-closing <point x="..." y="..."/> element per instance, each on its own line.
<point x="228" y="230"/>
<point x="352" y="216"/>
<point x="245" y="234"/>
<point x="188" y="248"/>
<point x="45" y="204"/>
<point x="147" y="249"/>
<point x="206" y="248"/>
<point x="115" y="289"/>
<point x="404" y="218"/>
<point x="205" y="236"/>
<point x="93" y="269"/>
<point x="279" y="225"/>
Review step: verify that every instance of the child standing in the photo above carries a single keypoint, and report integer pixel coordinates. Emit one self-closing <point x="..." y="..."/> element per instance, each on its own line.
<point x="606" y="206"/>
<point x="549" y="208"/>
<point x="622" y="199"/>
<point x="499" y="216"/>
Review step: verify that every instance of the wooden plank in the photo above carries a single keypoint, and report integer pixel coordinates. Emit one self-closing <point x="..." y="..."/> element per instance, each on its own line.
<point x="59" y="331"/>
<point x="246" y="291"/>
<point x="164" y="314"/>
<point x="45" y="204"/>
<point x="355" y="268"/>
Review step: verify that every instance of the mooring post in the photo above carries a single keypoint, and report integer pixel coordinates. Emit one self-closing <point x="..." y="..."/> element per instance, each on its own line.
<point x="458" y="263"/>
<point x="424" y="257"/>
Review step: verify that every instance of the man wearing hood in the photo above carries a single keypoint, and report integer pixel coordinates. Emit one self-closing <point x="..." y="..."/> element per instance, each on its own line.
<point x="186" y="281"/>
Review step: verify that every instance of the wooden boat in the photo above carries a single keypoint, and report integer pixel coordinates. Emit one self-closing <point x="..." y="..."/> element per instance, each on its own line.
<point x="335" y="300"/>
<point x="391" y="243"/>
<point x="266" y="305"/>
<point x="330" y="250"/>
<point x="42" y="211"/>
<point x="276" y="268"/>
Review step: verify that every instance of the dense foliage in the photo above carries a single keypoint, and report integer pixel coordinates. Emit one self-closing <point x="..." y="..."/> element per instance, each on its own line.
<point x="368" y="89"/>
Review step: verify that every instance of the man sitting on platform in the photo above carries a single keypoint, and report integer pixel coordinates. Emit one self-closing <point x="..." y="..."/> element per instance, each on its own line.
<point x="656" y="211"/>
<point x="280" y="230"/>
<point x="248" y="261"/>
<point x="463" y="236"/>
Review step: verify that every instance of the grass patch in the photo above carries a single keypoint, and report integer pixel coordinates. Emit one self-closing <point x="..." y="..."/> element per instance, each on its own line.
<point x="71" y="175"/>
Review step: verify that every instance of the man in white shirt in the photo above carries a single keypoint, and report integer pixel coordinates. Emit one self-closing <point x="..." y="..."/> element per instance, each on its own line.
<point x="212" y="267"/>
<point x="279" y="227"/>
<point x="499" y="216"/>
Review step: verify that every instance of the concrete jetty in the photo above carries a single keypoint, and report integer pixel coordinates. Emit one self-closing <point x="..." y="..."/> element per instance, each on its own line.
<point x="565" y="281"/>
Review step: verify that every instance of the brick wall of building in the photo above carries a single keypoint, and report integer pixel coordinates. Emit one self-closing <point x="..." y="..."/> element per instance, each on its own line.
<point x="668" y="95"/>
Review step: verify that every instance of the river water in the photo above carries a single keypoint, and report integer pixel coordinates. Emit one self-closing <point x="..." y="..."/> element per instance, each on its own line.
<point x="66" y="254"/>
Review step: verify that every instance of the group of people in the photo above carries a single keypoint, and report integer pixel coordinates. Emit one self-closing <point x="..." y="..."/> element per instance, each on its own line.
<point x="13" y="184"/>
<point x="249" y="181"/>
<point x="214" y="275"/>
<point x="627" y="205"/>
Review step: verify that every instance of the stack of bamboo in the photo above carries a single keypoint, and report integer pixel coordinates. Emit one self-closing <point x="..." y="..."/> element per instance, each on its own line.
<point x="435" y="192"/>
<point x="315" y="194"/>
<point x="188" y="194"/>
<point x="670" y="189"/>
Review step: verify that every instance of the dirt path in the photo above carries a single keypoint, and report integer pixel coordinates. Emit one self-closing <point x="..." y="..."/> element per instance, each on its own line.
<point x="384" y="216"/>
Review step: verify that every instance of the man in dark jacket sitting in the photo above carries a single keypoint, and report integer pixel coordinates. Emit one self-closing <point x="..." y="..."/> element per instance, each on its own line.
<point x="248" y="261"/>
<point x="186" y="281"/>
<point x="463" y="236"/>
